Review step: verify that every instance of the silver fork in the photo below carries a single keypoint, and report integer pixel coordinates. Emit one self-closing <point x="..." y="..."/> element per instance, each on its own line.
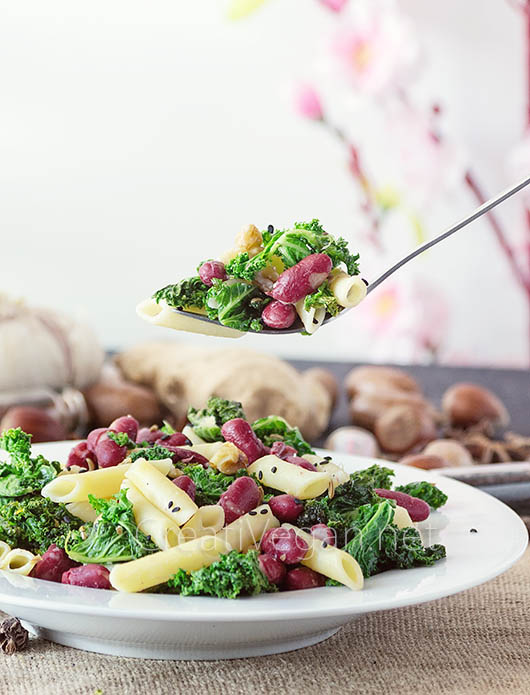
<point x="478" y="212"/>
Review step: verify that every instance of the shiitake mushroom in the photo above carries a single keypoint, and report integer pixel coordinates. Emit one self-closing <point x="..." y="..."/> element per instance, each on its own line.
<point x="467" y="404"/>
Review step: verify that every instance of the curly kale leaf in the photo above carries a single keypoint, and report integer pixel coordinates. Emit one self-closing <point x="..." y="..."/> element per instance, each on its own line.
<point x="365" y="546"/>
<point x="323" y="297"/>
<point x="428" y="492"/>
<point x="276" y="429"/>
<point x="236" y="305"/>
<point x="34" y="522"/>
<point x="209" y="484"/>
<point x="208" y="421"/>
<point x="188" y="293"/>
<point x="233" y="575"/>
<point x="121" y="439"/>
<point x="291" y="246"/>
<point x="403" y="549"/>
<point x="150" y="453"/>
<point x="113" y="537"/>
<point x="23" y="474"/>
<point x="375" y="476"/>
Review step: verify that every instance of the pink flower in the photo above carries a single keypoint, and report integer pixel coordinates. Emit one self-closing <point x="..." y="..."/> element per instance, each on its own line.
<point x="378" y="50"/>
<point x="308" y="104"/>
<point x="335" y="5"/>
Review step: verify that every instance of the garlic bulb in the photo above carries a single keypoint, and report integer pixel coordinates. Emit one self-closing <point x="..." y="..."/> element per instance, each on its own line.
<point x="39" y="347"/>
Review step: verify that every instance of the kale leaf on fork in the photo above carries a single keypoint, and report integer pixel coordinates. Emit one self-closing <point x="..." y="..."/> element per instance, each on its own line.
<point x="189" y="293"/>
<point x="207" y="422"/>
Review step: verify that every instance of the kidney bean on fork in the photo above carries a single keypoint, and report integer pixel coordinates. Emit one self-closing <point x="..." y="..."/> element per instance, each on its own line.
<point x="303" y="578"/>
<point x="243" y="495"/>
<point x="302" y="279"/>
<point x="418" y="509"/>
<point x="286" y="508"/>
<point x="149" y="435"/>
<point x="126" y="423"/>
<point x="284" y="544"/>
<point x="93" y="438"/>
<point x="210" y="270"/>
<point x="175" y="439"/>
<point x="240" y="433"/>
<point x="277" y="315"/>
<point x="93" y="576"/>
<point x="78" y="456"/>
<point x="53" y="564"/>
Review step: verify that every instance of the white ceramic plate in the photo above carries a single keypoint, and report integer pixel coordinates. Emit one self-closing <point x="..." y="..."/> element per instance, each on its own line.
<point x="174" y="627"/>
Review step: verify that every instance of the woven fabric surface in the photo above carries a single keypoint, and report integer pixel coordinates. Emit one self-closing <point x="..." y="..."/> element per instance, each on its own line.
<point x="472" y="643"/>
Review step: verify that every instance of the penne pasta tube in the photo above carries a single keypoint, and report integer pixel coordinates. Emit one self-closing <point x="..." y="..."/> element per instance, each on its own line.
<point x="161" y="492"/>
<point x="4" y="549"/>
<point x="103" y="482"/>
<point x="82" y="510"/>
<point x="150" y="520"/>
<point x="348" y="290"/>
<point x="311" y="318"/>
<point x="336" y="473"/>
<point x="157" y="568"/>
<point x="247" y="531"/>
<point x="206" y="449"/>
<point x="284" y="476"/>
<point x="163" y="315"/>
<point x="330" y="561"/>
<point x="402" y="518"/>
<point x="19" y="561"/>
<point x="206" y="521"/>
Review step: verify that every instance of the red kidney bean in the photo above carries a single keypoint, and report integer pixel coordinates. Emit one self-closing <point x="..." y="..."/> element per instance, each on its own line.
<point x="303" y="578"/>
<point x="281" y="450"/>
<point x="418" y="509"/>
<point x="108" y="452"/>
<point x="243" y="495"/>
<point x="302" y="462"/>
<point x="78" y="456"/>
<point x="146" y="434"/>
<point x="177" y="454"/>
<point x="302" y="279"/>
<point x="323" y="533"/>
<point x="210" y="270"/>
<point x="176" y="439"/>
<point x="286" y="508"/>
<point x="273" y="569"/>
<point x="93" y="438"/>
<point x="53" y="564"/>
<point x="93" y="576"/>
<point x="126" y="423"/>
<point x="284" y="545"/>
<point x="240" y="433"/>
<point x="277" y="315"/>
<point x="185" y="483"/>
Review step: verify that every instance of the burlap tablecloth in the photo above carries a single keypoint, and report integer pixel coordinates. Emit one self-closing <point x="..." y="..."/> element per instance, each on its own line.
<point x="474" y="643"/>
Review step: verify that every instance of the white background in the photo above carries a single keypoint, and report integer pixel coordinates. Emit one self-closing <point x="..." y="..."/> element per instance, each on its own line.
<point x="137" y="137"/>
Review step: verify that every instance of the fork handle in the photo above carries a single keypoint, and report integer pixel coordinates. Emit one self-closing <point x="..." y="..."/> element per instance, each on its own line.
<point x="478" y="212"/>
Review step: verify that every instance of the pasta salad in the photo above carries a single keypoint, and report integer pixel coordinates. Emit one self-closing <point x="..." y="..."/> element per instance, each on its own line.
<point x="270" y="279"/>
<point x="225" y="508"/>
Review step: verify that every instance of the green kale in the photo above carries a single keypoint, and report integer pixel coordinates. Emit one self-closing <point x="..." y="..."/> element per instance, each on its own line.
<point x="113" y="537"/>
<point x="23" y="474"/>
<point x="403" y="549"/>
<point x="167" y="428"/>
<point x="323" y="297"/>
<point x="209" y="484"/>
<point x="236" y="305"/>
<point x="375" y="476"/>
<point x="275" y="429"/>
<point x="232" y="575"/>
<point x="35" y="522"/>
<point x="187" y="293"/>
<point x="428" y="492"/>
<point x="208" y="421"/>
<point x="365" y="546"/>
<point x="150" y="453"/>
<point x="292" y="245"/>
<point x="121" y="439"/>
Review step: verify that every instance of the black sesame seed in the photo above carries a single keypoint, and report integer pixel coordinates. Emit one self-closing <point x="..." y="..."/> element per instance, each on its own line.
<point x="260" y="475"/>
<point x="327" y="458"/>
<point x="473" y="530"/>
<point x="324" y="544"/>
<point x="148" y="538"/>
<point x="175" y="509"/>
<point x="253" y="512"/>
<point x="274" y="469"/>
<point x="264" y="511"/>
<point x="365" y="282"/>
<point x="297" y="501"/>
<point x="270" y="228"/>
<point x="170" y="504"/>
